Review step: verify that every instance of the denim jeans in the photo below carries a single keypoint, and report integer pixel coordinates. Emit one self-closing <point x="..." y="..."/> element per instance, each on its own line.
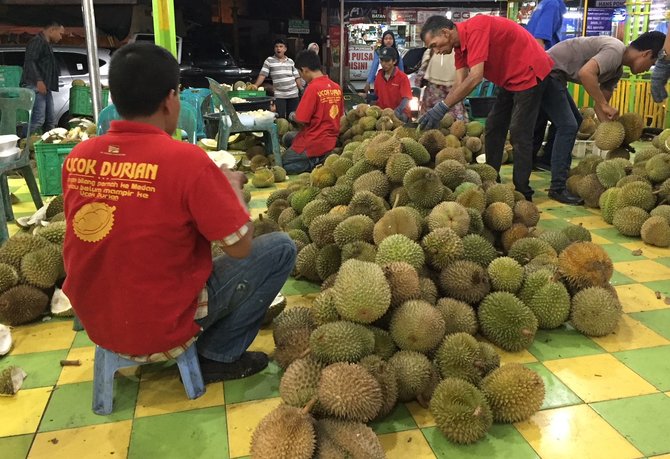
<point x="515" y="111"/>
<point x="286" y="106"/>
<point x="297" y="163"/>
<point x="240" y="291"/>
<point x="43" y="116"/>
<point x="560" y="109"/>
<point x="538" y="139"/>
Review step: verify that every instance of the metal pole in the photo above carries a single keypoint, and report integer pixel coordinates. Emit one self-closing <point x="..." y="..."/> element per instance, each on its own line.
<point x="342" y="44"/>
<point x="92" y="54"/>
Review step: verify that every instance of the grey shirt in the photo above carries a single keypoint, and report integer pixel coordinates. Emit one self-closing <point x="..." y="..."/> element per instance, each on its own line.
<point x="570" y="56"/>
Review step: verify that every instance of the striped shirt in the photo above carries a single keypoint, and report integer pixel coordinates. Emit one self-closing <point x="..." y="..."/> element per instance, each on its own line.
<point x="200" y="313"/>
<point x="283" y="74"/>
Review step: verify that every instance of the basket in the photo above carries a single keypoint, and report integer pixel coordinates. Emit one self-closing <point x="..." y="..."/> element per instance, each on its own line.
<point x="81" y="103"/>
<point x="10" y="76"/>
<point x="584" y="148"/>
<point x="50" y="158"/>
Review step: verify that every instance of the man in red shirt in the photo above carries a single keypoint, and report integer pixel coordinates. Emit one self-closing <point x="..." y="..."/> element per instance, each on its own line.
<point x="392" y="85"/>
<point x="318" y="115"/>
<point x="142" y="211"/>
<point x="505" y="53"/>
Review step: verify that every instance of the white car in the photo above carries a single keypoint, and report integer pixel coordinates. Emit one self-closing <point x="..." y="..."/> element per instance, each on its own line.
<point x="73" y="64"/>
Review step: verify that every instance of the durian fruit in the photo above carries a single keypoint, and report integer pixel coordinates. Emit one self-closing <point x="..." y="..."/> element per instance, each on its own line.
<point x="590" y="189"/>
<point x="328" y="261"/>
<point x="323" y="309"/>
<point x="300" y="198"/>
<point x="638" y="194"/>
<point x="398" y="165"/>
<point x="264" y="225"/>
<point x="459" y="356"/>
<point x="344" y="439"/>
<point x="314" y="209"/>
<point x="585" y="264"/>
<point x="433" y="140"/>
<point x="451" y="172"/>
<point x="354" y="228"/>
<point x="398" y="247"/>
<point x="417" y="326"/>
<point x="259" y="162"/>
<point x="533" y="282"/>
<point x="17" y="246"/>
<point x="367" y="203"/>
<point x="358" y="250"/>
<point x="633" y="126"/>
<point x="506" y="321"/>
<point x="661" y="211"/>
<point x="428" y="290"/>
<point x="586" y="129"/>
<point x="609" y="135"/>
<point x="413" y="371"/>
<point x="348" y="391"/>
<point x="509" y="237"/>
<point x="341" y="341"/>
<point x="300" y="380"/>
<point x="465" y="280"/>
<point x="322" y="229"/>
<point x="609" y="203"/>
<point x="378" y="152"/>
<point x="595" y="311"/>
<point x="449" y="215"/>
<point x="556" y="239"/>
<point x="458" y="316"/>
<point x="413" y="148"/>
<point x="403" y="281"/>
<point x="514" y="392"/>
<point x="610" y="172"/>
<point x="442" y="246"/>
<point x="305" y="264"/>
<point x="656" y="231"/>
<point x="375" y="182"/>
<point x="461" y="411"/>
<point x="629" y="220"/>
<point x="505" y="274"/>
<point x="11" y="380"/>
<point x="9" y="277"/>
<point x="294" y="346"/>
<point x="361" y="291"/>
<point x="424" y="186"/>
<point x="286" y="432"/>
<point x="658" y="167"/>
<point x="385" y="375"/>
<point x="22" y="304"/>
<point x="54" y="232"/>
<point x="478" y="249"/>
<point x="279" y="174"/>
<point x="54" y="207"/>
<point x="525" y="249"/>
<point x="550" y="304"/>
<point x="289" y="320"/>
<point x="398" y="220"/>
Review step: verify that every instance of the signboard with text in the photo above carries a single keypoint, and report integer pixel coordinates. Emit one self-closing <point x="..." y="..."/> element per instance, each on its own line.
<point x="360" y="58"/>
<point x="298" y="26"/>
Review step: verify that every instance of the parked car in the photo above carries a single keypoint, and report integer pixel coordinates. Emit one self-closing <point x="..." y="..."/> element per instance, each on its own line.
<point x="201" y="57"/>
<point x="73" y="64"/>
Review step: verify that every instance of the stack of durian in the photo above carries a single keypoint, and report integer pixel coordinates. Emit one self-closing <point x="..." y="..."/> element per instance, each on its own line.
<point x="634" y="196"/>
<point x="31" y="266"/>
<point x="613" y="137"/>
<point x="425" y="262"/>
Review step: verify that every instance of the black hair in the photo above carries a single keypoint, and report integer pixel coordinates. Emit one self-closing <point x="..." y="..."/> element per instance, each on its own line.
<point x="649" y="40"/>
<point x="51" y="23"/>
<point x="309" y="59"/>
<point x="434" y="24"/>
<point x="279" y="41"/>
<point x="141" y="76"/>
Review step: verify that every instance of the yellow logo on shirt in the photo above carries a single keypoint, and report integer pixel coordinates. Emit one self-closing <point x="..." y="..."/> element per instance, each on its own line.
<point x="93" y="221"/>
<point x="334" y="111"/>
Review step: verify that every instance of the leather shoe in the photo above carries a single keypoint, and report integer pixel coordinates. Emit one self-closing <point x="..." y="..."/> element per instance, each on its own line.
<point x="565" y="197"/>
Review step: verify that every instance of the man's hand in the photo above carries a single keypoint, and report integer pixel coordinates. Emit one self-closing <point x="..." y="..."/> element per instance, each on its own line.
<point x="291" y="117"/>
<point x="606" y="112"/>
<point x="41" y="87"/>
<point x="659" y="79"/>
<point x="432" y="118"/>
<point x="237" y="180"/>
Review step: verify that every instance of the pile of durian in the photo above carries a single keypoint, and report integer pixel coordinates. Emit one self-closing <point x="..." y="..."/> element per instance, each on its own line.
<point x="31" y="267"/>
<point x="634" y="196"/>
<point x="425" y="262"/>
<point x="614" y="137"/>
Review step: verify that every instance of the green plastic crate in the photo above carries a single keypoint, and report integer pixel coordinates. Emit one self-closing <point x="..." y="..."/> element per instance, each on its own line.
<point x="246" y="94"/>
<point x="50" y="158"/>
<point x="10" y="76"/>
<point x="81" y="103"/>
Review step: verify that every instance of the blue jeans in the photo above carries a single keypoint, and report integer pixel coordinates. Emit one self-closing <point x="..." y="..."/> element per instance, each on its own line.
<point x="560" y="109"/>
<point x="240" y="291"/>
<point x="297" y="163"/>
<point x="43" y="116"/>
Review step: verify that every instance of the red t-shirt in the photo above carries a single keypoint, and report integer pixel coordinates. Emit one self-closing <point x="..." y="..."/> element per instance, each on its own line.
<point x="141" y="210"/>
<point x="319" y="110"/>
<point x="390" y="92"/>
<point x="513" y="59"/>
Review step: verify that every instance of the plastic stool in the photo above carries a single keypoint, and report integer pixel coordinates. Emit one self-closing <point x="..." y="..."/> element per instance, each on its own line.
<point x="107" y="363"/>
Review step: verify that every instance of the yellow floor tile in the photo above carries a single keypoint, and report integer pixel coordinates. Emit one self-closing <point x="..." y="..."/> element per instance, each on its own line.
<point x="242" y="420"/>
<point x="630" y="334"/>
<point x="548" y="216"/>
<point x="162" y="392"/>
<point x="637" y="297"/>
<point x="403" y="445"/>
<point x="599" y="239"/>
<point x="421" y="415"/>
<point x="103" y="440"/>
<point x="643" y="270"/>
<point x="522" y="356"/>
<point x="574" y="432"/>
<point x="81" y="373"/>
<point x="599" y="377"/>
<point x="263" y="342"/>
<point x="21" y="413"/>
<point x="590" y="222"/>
<point x="663" y="456"/>
<point x="648" y="251"/>
<point x="42" y="337"/>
